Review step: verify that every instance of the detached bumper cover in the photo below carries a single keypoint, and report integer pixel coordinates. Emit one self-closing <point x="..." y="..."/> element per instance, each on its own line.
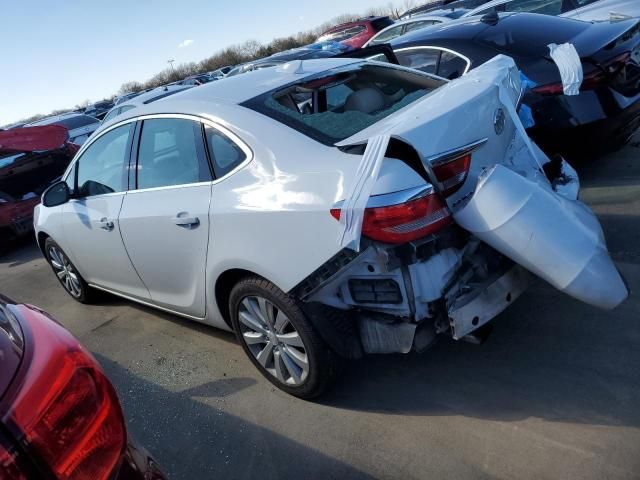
<point x="556" y="238"/>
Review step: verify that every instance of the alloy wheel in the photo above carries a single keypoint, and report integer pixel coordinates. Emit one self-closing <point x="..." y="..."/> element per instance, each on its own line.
<point x="65" y="272"/>
<point x="273" y="340"/>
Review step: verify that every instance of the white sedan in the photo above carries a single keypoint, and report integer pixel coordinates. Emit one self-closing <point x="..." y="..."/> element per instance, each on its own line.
<point x="325" y="209"/>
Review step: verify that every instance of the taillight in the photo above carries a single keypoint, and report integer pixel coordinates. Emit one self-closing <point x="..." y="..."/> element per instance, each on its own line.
<point x="452" y="173"/>
<point x="66" y="412"/>
<point x="405" y="222"/>
<point x="592" y="80"/>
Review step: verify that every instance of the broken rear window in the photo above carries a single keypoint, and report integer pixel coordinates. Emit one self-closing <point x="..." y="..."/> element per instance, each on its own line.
<point x="337" y="104"/>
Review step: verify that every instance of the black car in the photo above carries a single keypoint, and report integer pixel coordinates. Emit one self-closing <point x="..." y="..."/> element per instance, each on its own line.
<point x="99" y="109"/>
<point x="60" y="417"/>
<point x="602" y="117"/>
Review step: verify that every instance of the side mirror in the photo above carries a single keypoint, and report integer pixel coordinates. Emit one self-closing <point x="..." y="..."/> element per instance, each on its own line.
<point x="56" y="194"/>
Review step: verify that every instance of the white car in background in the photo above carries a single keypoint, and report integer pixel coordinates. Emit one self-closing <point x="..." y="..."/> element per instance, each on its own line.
<point x="144" y="99"/>
<point x="586" y="10"/>
<point x="402" y="27"/>
<point x="324" y="209"/>
<point x="80" y="126"/>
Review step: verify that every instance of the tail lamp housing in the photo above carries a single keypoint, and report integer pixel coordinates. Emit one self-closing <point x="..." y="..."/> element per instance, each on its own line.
<point x="404" y="222"/>
<point x="64" y="411"/>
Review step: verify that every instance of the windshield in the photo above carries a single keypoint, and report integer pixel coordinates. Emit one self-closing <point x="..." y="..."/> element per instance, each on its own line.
<point x="340" y="103"/>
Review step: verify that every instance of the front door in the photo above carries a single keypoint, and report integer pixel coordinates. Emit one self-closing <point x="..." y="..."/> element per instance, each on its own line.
<point x="165" y="220"/>
<point x="92" y="236"/>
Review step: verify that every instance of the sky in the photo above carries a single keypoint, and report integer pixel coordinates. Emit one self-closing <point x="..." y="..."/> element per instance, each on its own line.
<point x="57" y="54"/>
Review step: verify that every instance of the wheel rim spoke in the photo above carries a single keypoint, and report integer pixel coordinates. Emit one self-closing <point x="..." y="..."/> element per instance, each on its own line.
<point x="266" y="311"/>
<point x="251" y="306"/>
<point x="61" y="274"/>
<point x="265" y="354"/>
<point x="251" y="322"/>
<point x="292" y="339"/>
<point x="298" y="357"/>
<point x="277" y="359"/>
<point x="253" y="338"/>
<point x="292" y="368"/>
<point x="281" y="321"/>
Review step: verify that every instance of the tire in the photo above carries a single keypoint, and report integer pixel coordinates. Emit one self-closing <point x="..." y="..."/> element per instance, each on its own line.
<point x="279" y="339"/>
<point x="68" y="275"/>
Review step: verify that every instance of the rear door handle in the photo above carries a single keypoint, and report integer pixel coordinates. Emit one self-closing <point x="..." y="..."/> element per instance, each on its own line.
<point x="106" y="224"/>
<point x="186" y="221"/>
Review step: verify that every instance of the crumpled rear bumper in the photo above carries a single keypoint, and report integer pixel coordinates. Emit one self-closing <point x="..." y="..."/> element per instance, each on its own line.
<point x="556" y="238"/>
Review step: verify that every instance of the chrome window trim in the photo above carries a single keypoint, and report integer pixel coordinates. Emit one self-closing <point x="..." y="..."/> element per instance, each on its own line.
<point x="205" y="121"/>
<point x="442" y="49"/>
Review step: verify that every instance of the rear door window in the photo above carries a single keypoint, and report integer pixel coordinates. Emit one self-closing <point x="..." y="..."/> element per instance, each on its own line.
<point x="171" y="153"/>
<point x="387" y="35"/>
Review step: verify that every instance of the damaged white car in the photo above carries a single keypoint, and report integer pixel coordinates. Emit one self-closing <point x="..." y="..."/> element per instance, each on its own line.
<point x="326" y="209"/>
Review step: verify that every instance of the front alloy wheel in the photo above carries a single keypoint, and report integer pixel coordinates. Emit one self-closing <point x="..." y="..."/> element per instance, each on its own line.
<point x="67" y="273"/>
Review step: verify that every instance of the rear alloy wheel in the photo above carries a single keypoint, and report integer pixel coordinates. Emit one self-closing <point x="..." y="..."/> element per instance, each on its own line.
<point x="66" y="272"/>
<point x="279" y="339"/>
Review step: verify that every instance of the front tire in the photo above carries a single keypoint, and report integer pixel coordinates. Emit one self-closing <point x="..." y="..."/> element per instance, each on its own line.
<point x="66" y="273"/>
<point x="279" y="339"/>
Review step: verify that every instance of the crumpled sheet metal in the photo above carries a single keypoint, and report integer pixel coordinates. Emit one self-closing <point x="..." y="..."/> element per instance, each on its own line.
<point x="569" y="64"/>
<point x="558" y="239"/>
<point x="352" y="212"/>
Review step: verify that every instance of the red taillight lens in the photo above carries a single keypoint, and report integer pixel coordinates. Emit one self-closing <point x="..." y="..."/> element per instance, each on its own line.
<point x="67" y="411"/>
<point x="405" y="222"/>
<point x="549" y="89"/>
<point x="452" y="174"/>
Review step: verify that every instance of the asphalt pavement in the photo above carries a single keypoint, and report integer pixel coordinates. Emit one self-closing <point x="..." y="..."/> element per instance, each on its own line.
<point x="554" y="392"/>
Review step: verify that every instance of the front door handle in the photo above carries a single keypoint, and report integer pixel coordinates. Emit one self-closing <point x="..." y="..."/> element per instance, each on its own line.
<point x="106" y="224"/>
<point x="186" y="221"/>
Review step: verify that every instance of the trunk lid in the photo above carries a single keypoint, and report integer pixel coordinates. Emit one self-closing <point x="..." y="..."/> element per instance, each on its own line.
<point x="506" y="200"/>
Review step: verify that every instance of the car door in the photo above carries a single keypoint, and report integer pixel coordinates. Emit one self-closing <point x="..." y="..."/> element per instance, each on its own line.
<point x="165" y="218"/>
<point x="91" y="231"/>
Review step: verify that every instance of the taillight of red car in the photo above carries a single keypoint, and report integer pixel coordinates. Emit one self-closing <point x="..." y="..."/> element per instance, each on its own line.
<point x="65" y="414"/>
<point x="404" y="222"/>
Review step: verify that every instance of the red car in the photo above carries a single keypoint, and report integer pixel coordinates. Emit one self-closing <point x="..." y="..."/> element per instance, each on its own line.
<point x="355" y="34"/>
<point x="30" y="158"/>
<point x="60" y="417"/>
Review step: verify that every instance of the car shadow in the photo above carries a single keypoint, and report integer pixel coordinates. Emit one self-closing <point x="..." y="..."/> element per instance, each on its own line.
<point x="549" y="357"/>
<point x="216" y="444"/>
<point x="19" y="251"/>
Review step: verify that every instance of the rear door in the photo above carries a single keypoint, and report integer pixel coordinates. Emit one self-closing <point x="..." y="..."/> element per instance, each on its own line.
<point x="165" y="216"/>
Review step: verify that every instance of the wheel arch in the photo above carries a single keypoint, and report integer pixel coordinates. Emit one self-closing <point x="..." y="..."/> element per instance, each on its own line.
<point x="223" y="286"/>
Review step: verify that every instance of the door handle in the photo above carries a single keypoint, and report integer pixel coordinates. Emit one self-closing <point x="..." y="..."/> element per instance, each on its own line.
<point x="106" y="224"/>
<point x="186" y="221"/>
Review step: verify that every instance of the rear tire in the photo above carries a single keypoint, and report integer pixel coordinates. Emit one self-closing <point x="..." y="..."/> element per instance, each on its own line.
<point x="67" y="274"/>
<point x="279" y="339"/>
